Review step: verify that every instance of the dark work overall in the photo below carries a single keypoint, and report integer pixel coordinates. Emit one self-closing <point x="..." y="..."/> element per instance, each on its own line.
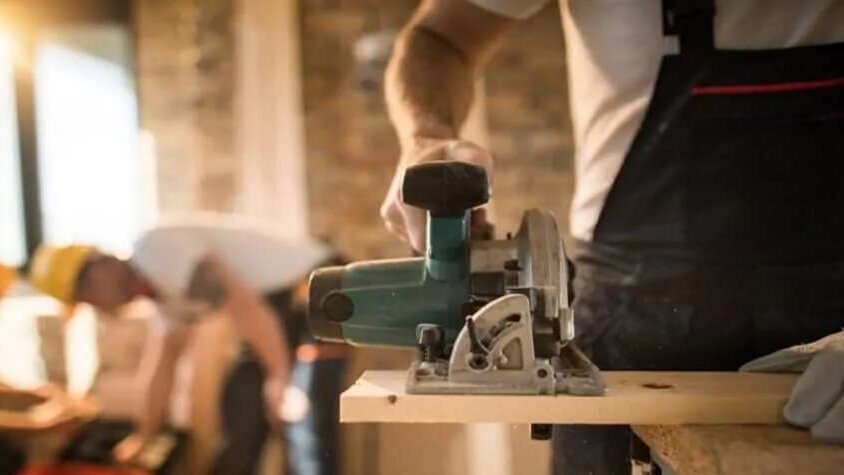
<point x="722" y="238"/>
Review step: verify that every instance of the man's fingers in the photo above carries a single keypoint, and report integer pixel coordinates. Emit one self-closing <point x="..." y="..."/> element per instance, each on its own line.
<point x="415" y="222"/>
<point x="408" y="221"/>
<point x="397" y="229"/>
<point x="391" y="213"/>
<point x="393" y="219"/>
<point x="819" y="388"/>
<point x="471" y="153"/>
<point x="467" y="152"/>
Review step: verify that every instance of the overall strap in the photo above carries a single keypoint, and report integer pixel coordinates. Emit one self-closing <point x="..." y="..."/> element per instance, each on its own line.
<point x="692" y="22"/>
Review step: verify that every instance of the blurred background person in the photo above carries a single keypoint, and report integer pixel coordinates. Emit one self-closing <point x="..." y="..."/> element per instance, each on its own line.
<point x="192" y="268"/>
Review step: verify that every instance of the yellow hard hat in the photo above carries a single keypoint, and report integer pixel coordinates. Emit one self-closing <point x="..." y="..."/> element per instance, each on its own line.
<point x="54" y="269"/>
<point x="7" y="278"/>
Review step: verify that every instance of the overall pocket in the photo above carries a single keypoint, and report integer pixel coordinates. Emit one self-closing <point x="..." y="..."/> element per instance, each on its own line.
<point x="766" y="175"/>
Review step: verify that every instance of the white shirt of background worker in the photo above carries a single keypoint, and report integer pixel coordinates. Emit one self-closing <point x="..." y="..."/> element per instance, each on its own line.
<point x="191" y="267"/>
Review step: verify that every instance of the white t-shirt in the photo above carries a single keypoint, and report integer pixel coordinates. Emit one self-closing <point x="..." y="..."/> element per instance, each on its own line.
<point x="257" y="252"/>
<point x="614" y="48"/>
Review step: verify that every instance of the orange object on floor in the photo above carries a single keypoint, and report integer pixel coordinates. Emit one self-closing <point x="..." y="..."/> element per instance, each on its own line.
<point x="76" y="468"/>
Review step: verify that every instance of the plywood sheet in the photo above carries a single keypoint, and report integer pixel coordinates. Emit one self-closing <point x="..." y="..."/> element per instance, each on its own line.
<point x="632" y="398"/>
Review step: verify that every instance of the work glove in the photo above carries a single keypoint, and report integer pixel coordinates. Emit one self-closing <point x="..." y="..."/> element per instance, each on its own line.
<point x="408" y="222"/>
<point x="817" y="400"/>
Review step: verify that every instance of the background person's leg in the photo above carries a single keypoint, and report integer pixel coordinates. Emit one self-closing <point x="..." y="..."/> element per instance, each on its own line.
<point x="244" y="423"/>
<point x="312" y="442"/>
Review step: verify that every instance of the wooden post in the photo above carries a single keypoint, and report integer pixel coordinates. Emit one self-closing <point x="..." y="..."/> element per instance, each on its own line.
<point x="269" y="113"/>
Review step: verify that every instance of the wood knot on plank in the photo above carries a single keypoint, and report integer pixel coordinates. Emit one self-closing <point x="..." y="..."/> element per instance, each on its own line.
<point x="392" y="398"/>
<point x="657" y="386"/>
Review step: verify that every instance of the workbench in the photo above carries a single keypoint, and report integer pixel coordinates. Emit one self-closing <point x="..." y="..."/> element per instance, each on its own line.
<point x="693" y="423"/>
<point x="633" y="397"/>
<point x="739" y="450"/>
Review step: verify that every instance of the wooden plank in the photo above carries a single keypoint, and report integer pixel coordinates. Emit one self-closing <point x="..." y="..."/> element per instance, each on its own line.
<point x="632" y="398"/>
<point x="741" y="450"/>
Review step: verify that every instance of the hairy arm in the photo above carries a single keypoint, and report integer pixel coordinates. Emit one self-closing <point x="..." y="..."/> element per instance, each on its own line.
<point x="431" y="75"/>
<point x="216" y="285"/>
<point x="429" y="89"/>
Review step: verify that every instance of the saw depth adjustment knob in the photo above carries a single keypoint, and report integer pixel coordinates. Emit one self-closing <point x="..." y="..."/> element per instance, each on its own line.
<point x="431" y="340"/>
<point x="445" y="188"/>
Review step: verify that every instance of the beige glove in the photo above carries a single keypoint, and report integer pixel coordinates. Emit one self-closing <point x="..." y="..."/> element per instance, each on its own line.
<point x="817" y="400"/>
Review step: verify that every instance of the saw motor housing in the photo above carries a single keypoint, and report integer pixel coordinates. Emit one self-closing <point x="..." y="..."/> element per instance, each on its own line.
<point x="488" y="316"/>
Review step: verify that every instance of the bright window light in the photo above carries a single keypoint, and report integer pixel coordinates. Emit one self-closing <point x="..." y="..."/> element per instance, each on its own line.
<point x="89" y="165"/>
<point x="12" y="244"/>
<point x="7" y="46"/>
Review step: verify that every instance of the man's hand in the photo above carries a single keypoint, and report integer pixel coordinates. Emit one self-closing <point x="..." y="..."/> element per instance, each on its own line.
<point x="408" y="222"/>
<point x="127" y="451"/>
<point x="817" y="400"/>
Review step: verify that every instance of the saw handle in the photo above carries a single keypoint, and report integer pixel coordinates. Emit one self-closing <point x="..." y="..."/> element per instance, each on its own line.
<point x="448" y="190"/>
<point x="445" y="188"/>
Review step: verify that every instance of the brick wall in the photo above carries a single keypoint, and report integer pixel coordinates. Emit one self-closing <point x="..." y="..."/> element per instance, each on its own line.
<point x="186" y="87"/>
<point x="351" y="148"/>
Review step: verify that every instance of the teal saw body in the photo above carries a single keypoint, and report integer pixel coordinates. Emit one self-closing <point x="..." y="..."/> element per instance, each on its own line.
<point x="381" y="303"/>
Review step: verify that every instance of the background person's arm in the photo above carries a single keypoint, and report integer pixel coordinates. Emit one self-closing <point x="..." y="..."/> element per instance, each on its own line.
<point x="214" y="283"/>
<point x="429" y="90"/>
<point x="164" y="346"/>
<point x="218" y="289"/>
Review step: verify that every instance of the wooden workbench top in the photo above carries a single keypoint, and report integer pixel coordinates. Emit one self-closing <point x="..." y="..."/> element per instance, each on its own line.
<point x="741" y="450"/>
<point x="648" y="398"/>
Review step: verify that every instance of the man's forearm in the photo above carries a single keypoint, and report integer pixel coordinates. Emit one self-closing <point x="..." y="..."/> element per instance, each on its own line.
<point x="157" y="400"/>
<point x="219" y="287"/>
<point x="431" y="76"/>
<point x="429" y="87"/>
<point x="158" y="369"/>
<point x="259" y="327"/>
